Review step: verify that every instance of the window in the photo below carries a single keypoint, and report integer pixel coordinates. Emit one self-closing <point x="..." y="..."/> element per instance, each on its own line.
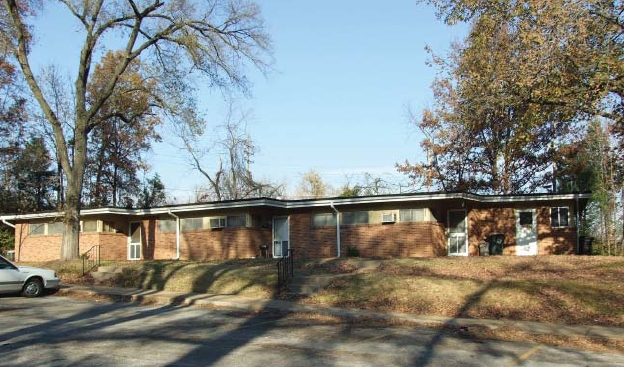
<point x="256" y="221"/>
<point x="412" y="215"/>
<point x="526" y="218"/>
<point x="89" y="226"/>
<point x="36" y="228"/>
<point x="167" y="225"/>
<point x="237" y="220"/>
<point x="192" y="224"/>
<point x="349" y="218"/>
<point x="218" y="222"/>
<point x="559" y="217"/>
<point x="324" y="220"/>
<point x="56" y="228"/>
<point x="109" y="227"/>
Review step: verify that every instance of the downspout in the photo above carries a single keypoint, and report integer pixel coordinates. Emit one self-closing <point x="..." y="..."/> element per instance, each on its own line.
<point x="337" y="228"/>
<point x="177" y="234"/>
<point x="578" y="224"/>
<point x="8" y="224"/>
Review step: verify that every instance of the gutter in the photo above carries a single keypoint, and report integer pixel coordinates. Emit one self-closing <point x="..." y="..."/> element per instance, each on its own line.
<point x="331" y="205"/>
<point x="177" y="234"/>
<point x="8" y="224"/>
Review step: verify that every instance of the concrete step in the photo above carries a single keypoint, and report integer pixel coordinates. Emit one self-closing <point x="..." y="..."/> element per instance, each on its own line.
<point x="106" y="272"/>
<point x="315" y="280"/>
<point x="311" y="284"/>
<point x="302" y="289"/>
<point x="103" y="276"/>
<point x="110" y="269"/>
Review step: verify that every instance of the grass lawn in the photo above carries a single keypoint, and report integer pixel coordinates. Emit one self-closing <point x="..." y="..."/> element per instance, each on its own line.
<point x="254" y="278"/>
<point x="564" y="289"/>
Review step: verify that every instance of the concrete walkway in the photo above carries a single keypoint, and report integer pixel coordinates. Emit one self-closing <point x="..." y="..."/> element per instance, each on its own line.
<point x="257" y="304"/>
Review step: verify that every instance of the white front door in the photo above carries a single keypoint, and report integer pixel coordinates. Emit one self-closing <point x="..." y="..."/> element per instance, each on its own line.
<point x="458" y="236"/>
<point x="526" y="232"/>
<point x="134" y="241"/>
<point x="281" y="236"/>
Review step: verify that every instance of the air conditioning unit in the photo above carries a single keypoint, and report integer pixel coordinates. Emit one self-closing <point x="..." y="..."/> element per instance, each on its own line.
<point x="217" y="222"/>
<point x="388" y="218"/>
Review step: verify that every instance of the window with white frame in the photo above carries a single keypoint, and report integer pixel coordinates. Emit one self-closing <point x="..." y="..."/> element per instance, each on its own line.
<point x="109" y="226"/>
<point x="324" y="219"/>
<point x="191" y="224"/>
<point x="559" y="216"/>
<point x="167" y="225"/>
<point x="89" y="226"/>
<point x="412" y="215"/>
<point x="360" y="217"/>
<point x="56" y="228"/>
<point x="237" y="220"/>
<point x="36" y="229"/>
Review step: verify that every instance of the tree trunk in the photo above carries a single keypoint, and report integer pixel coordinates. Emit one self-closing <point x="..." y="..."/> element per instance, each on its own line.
<point x="71" y="208"/>
<point x="71" y="236"/>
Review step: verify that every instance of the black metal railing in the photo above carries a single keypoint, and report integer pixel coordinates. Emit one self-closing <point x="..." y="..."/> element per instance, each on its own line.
<point x="90" y="259"/>
<point x="285" y="269"/>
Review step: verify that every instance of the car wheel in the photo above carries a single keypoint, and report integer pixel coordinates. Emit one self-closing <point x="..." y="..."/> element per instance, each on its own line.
<point x="32" y="288"/>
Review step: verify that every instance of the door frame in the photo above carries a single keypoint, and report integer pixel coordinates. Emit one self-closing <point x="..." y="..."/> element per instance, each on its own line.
<point x="273" y="233"/>
<point x="130" y="243"/>
<point x="534" y="247"/>
<point x="448" y="240"/>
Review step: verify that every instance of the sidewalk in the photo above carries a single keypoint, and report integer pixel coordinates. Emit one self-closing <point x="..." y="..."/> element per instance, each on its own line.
<point x="257" y="304"/>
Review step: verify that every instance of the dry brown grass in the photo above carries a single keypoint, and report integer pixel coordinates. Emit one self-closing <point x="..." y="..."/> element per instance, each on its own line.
<point x="565" y="289"/>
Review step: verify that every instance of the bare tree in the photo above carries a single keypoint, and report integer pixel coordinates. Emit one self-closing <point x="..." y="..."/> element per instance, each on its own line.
<point x="313" y="186"/>
<point x="182" y="39"/>
<point x="234" y="151"/>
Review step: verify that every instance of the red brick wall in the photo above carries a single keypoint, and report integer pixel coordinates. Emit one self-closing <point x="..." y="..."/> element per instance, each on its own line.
<point x="413" y="239"/>
<point x="215" y="244"/>
<point x="35" y="248"/>
<point x="483" y="222"/>
<point x="114" y="246"/>
<point x="308" y="242"/>
<point x="48" y="248"/>
<point x="402" y="239"/>
<point x="554" y="240"/>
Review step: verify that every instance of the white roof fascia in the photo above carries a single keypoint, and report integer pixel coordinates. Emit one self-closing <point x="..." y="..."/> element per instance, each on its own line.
<point x="285" y="204"/>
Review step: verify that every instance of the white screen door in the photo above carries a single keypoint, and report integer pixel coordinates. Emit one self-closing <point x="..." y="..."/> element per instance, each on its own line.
<point x="526" y="232"/>
<point x="457" y="238"/>
<point x="134" y="243"/>
<point x="281" y="236"/>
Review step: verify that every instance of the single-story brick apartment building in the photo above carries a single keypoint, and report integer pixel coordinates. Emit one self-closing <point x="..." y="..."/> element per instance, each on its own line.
<point x="402" y="225"/>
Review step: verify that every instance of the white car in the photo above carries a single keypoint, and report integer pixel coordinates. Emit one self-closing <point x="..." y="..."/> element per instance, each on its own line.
<point x="25" y="279"/>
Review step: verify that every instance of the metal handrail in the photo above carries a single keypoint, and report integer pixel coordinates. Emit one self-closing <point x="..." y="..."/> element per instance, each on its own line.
<point x="90" y="259"/>
<point x="285" y="269"/>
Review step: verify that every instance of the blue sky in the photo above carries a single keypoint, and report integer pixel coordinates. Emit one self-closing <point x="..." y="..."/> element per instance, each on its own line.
<point x="345" y="71"/>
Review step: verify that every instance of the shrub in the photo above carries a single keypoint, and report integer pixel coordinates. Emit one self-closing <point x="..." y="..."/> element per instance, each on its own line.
<point x="353" y="252"/>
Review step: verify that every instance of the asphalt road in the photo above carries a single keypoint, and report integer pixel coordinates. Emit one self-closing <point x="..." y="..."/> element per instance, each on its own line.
<point x="59" y="331"/>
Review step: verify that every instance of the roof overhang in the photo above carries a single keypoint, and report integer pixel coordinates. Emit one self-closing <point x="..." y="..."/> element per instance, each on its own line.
<point x="308" y="203"/>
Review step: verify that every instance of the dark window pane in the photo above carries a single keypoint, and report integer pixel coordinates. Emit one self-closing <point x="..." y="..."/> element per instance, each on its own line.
<point x="237" y="221"/>
<point x="360" y="217"/>
<point x="526" y="218"/>
<point x="457" y="221"/>
<point x="563" y="217"/>
<point x="324" y="220"/>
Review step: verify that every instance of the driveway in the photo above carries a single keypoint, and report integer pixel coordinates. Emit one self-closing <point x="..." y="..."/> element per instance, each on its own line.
<point x="60" y="331"/>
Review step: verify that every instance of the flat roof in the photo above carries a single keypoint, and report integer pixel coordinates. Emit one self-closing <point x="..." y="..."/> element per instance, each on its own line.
<point x="308" y="203"/>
